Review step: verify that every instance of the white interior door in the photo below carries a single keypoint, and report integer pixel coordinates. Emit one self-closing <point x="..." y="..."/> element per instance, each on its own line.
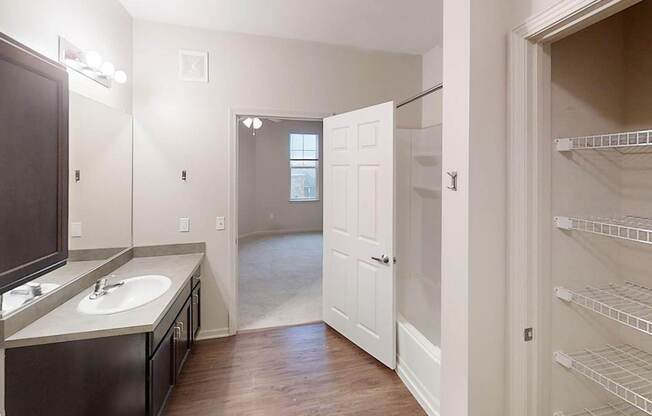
<point x="358" y="273"/>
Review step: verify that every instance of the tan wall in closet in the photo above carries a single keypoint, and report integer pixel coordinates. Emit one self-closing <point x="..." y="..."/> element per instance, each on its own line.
<point x="636" y="175"/>
<point x="587" y="98"/>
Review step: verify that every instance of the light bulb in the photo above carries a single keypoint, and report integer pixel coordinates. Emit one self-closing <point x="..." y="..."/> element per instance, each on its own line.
<point x="93" y="59"/>
<point x="120" y="77"/>
<point x="247" y="122"/>
<point x="108" y="69"/>
<point x="258" y="123"/>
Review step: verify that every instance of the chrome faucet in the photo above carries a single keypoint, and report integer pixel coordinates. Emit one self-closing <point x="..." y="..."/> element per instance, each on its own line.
<point x="101" y="288"/>
<point x="31" y="290"/>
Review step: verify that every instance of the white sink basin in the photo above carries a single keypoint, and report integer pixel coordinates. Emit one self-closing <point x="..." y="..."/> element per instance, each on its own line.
<point x="135" y="292"/>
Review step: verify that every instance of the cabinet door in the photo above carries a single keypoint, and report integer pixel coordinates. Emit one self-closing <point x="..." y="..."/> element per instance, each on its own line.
<point x="161" y="373"/>
<point x="196" y="311"/>
<point x="182" y="343"/>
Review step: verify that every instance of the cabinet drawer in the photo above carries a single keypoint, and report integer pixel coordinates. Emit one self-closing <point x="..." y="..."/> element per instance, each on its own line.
<point x="155" y="338"/>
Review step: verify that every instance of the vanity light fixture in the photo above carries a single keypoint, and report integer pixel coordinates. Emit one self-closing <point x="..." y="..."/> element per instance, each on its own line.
<point x="90" y="64"/>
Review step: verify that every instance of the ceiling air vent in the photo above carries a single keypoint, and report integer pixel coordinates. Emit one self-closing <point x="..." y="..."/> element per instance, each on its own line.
<point x="193" y="66"/>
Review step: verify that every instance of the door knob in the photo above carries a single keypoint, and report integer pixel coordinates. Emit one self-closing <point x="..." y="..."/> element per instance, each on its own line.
<point x="382" y="259"/>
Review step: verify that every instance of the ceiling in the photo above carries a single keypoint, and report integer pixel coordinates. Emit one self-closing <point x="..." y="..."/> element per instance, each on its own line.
<point x="411" y="26"/>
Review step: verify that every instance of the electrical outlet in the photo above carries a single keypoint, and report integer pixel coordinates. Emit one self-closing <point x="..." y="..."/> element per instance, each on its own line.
<point x="184" y="225"/>
<point x="75" y="229"/>
<point x="219" y="223"/>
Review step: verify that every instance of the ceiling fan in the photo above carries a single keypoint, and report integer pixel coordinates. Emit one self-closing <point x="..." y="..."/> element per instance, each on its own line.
<point x="254" y="123"/>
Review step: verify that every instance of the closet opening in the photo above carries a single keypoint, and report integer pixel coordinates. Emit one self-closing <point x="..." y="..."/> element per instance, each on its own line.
<point x="279" y="221"/>
<point x="595" y="289"/>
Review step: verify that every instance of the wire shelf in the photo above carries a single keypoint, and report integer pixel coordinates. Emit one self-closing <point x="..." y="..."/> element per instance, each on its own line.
<point x="623" y="371"/>
<point x="621" y="141"/>
<point x="610" y="409"/>
<point x="629" y="228"/>
<point x="630" y="304"/>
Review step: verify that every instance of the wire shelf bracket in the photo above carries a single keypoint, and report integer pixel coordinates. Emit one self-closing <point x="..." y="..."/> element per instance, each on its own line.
<point x="632" y="229"/>
<point x="626" y="140"/>
<point x="629" y="304"/>
<point x="623" y="371"/>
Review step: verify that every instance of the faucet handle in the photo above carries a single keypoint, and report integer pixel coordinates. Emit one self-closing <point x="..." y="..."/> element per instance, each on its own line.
<point x="99" y="285"/>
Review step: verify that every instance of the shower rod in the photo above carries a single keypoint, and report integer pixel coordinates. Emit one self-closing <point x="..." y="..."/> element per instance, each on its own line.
<point x="421" y="95"/>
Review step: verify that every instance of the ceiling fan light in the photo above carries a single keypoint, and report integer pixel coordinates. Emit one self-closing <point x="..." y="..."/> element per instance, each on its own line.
<point x="247" y="122"/>
<point x="258" y="123"/>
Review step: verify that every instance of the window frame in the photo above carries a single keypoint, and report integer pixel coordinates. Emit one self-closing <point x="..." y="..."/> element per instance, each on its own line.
<point x="317" y="160"/>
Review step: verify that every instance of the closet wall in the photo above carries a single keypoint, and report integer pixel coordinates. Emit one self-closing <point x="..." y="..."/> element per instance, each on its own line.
<point x="599" y="86"/>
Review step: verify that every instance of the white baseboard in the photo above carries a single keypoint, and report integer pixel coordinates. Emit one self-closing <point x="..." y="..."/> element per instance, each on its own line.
<point x="419" y="366"/>
<point x="212" y="334"/>
<point x="273" y="232"/>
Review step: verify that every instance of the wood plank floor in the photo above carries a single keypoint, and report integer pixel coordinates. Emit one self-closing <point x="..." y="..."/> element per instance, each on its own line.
<point x="297" y="371"/>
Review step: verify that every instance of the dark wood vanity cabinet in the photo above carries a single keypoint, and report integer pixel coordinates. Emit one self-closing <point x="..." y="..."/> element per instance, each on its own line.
<point x="170" y="351"/>
<point x="123" y="375"/>
<point x="33" y="164"/>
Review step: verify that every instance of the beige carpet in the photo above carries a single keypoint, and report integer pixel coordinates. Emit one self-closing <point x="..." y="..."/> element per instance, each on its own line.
<point x="280" y="280"/>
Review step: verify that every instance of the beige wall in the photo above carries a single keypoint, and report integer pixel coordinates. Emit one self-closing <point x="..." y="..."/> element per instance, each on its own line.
<point x="101" y="25"/>
<point x="638" y="82"/>
<point x="186" y="125"/>
<point x="473" y="218"/>
<point x="246" y="182"/>
<point x="432" y="75"/>
<point x="263" y="198"/>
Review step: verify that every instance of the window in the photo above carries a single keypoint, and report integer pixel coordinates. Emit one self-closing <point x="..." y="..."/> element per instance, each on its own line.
<point x="304" y="167"/>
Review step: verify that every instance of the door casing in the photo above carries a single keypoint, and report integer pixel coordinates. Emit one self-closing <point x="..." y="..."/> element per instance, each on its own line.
<point x="232" y="211"/>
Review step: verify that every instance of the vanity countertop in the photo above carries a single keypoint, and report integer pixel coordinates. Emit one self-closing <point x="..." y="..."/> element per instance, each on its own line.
<point x="65" y="323"/>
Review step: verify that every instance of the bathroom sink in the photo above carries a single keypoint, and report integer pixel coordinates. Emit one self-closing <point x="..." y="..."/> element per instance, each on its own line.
<point x="135" y="292"/>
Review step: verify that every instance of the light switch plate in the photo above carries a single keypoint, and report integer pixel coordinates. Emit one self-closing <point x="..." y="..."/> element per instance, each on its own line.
<point x="219" y="223"/>
<point x="184" y="225"/>
<point x="75" y="229"/>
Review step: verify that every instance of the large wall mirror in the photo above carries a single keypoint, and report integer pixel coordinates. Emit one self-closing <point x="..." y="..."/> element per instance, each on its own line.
<point x="100" y="197"/>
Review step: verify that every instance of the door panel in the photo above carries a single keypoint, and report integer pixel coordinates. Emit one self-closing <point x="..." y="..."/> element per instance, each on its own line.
<point x="358" y="291"/>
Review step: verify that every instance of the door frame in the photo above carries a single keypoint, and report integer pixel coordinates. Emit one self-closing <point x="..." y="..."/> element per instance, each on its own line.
<point x="529" y="212"/>
<point x="232" y="209"/>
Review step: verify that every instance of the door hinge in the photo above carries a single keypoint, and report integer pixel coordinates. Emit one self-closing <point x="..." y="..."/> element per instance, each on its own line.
<point x="528" y="334"/>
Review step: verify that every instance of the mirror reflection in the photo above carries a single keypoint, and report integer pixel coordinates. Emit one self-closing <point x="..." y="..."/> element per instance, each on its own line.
<point x="100" y="194"/>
